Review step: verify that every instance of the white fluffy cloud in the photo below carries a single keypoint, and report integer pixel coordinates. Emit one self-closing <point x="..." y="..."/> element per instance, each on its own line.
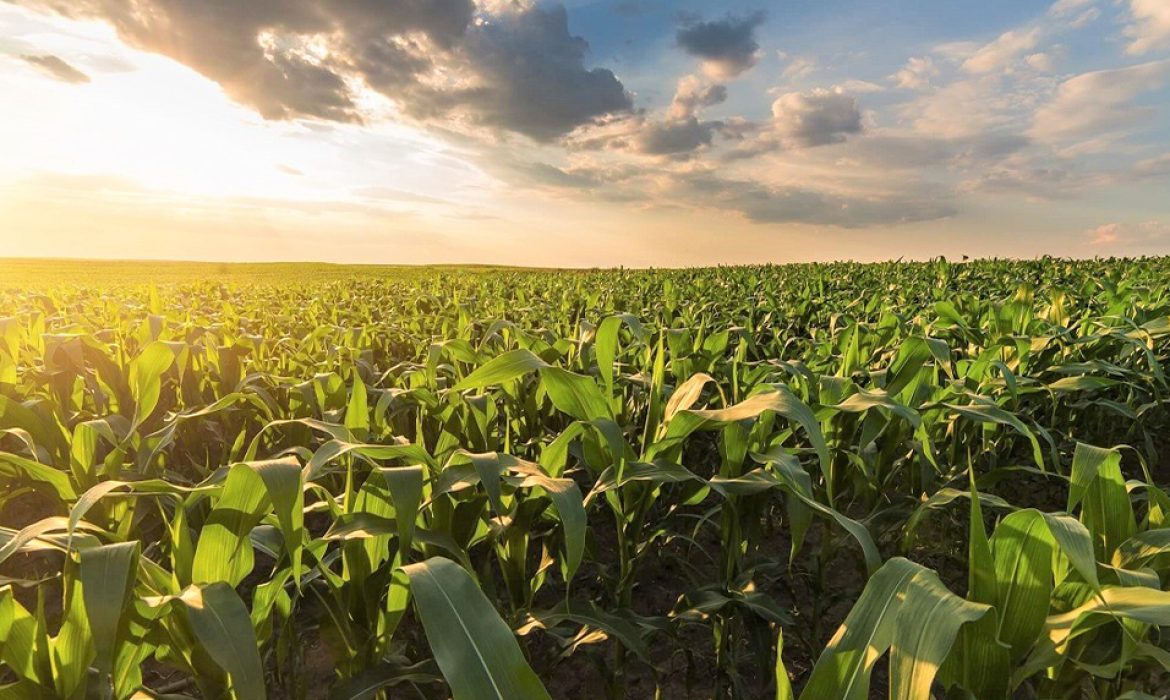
<point x="692" y="94"/>
<point x="1149" y="28"/>
<point x="1001" y="53"/>
<point x="917" y="73"/>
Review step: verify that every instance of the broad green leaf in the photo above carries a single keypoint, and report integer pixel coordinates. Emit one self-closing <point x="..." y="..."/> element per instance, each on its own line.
<point x="1022" y="546"/>
<point x="502" y="369"/>
<point x="220" y="623"/>
<point x="224" y="550"/>
<point x="843" y="669"/>
<point x="146" y="378"/>
<point x="475" y="650"/>
<point x="107" y="583"/>
<point x="928" y="622"/>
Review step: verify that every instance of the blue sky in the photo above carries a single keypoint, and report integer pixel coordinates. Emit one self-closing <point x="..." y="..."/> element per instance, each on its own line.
<point x="636" y="132"/>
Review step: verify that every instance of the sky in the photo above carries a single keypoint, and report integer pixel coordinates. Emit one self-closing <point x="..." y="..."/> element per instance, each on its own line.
<point x="584" y="133"/>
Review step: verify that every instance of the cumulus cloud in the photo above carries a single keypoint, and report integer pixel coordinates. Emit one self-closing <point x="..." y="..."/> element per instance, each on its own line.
<point x="816" y="118"/>
<point x="917" y="73"/>
<point x="57" y="68"/>
<point x="727" y="46"/>
<point x="514" y="69"/>
<point x="532" y="77"/>
<point x="1149" y="28"/>
<point x="673" y="137"/>
<point x="1099" y="102"/>
<point x="678" y="138"/>
<point x="692" y="94"/>
<point x="1001" y="53"/>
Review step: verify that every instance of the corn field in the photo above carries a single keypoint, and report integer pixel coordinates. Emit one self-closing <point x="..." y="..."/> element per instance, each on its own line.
<point x="907" y="480"/>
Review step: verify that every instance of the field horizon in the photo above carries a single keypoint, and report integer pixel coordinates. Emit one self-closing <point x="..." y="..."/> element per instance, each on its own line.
<point x="23" y="271"/>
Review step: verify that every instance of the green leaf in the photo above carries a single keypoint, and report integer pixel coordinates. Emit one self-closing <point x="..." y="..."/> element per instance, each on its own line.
<point x="357" y="412"/>
<point x="220" y="622"/>
<point x="783" y="683"/>
<point x="927" y="624"/>
<point x="146" y="378"/>
<point x="502" y="369"/>
<point x="1146" y="605"/>
<point x="282" y="481"/>
<point x="575" y="394"/>
<point x="475" y="650"/>
<point x="1022" y="547"/>
<point x="1086" y="463"/>
<point x="224" y="550"/>
<point x="1076" y="543"/>
<point x="843" y="669"/>
<point x="107" y="583"/>
<point x="988" y="413"/>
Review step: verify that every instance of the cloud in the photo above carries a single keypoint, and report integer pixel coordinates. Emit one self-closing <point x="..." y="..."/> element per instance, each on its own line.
<point x="798" y="67"/>
<point x="1001" y="53"/>
<point x="971" y="106"/>
<point x="532" y="77"/>
<point x="1099" y="102"/>
<point x="1036" y="180"/>
<point x="674" y="136"/>
<point x="727" y="46"/>
<point x="766" y="204"/>
<point x="860" y="86"/>
<point x="1064" y="8"/>
<point x="692" y="94"/>
<point x="57" y="68"/>
<point x="1040" y="62"/>
<point x="518" y="69"/>
<point x="917" y="73"/>
<point x="1150" y="27"/>
<point x="1117" y="234"/>
<point x="1156" y="167"/>
<point x="816" y="118"/>
<point x="1084" y="19"/>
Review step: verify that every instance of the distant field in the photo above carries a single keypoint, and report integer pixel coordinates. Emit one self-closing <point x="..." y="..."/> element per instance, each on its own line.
<point x="910" y="480"/>
<point x="24" y="272"/>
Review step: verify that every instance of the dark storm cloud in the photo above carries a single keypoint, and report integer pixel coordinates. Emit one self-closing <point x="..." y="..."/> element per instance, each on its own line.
<point x="520" y="70"/>
<point x="57" y="68"/>
<point x="727" y="45"/>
